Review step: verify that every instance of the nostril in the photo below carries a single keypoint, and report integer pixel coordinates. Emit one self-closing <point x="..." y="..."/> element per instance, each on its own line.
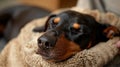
<point x="39" y="43"/>
<point x="47" y="45"/>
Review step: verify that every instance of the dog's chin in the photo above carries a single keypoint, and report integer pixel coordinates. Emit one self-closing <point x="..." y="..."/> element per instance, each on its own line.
<point x="55" y="56"/>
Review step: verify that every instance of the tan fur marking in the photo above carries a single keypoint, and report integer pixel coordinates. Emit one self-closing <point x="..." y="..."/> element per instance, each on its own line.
<point x="76" y="25"/>
<point x="56" y="20"/>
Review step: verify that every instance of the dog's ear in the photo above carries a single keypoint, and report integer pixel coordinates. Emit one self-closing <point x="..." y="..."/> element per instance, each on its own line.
<point x="111" y="31"/>
<point x="44" y="27"/>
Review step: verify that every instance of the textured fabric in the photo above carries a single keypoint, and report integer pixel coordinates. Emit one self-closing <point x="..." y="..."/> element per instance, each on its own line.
<point x="21" y="51"/>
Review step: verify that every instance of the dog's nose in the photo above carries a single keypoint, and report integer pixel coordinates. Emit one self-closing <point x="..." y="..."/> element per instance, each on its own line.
<point x="47" y="40"/>
<point x="43" y="42"/>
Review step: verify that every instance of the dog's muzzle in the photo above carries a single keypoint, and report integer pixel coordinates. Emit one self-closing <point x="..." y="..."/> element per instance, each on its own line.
<point x="47" y="40"/>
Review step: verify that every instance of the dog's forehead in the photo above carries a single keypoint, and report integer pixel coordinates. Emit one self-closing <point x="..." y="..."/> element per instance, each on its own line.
<point x="71" y="17"/>
<point x="68" y="14"/>
<point x="68" y="18"/>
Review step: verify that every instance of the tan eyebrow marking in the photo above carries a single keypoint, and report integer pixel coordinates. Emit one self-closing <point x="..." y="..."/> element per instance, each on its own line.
<point x="56" y="20"/>
<point x="76" y="26"/>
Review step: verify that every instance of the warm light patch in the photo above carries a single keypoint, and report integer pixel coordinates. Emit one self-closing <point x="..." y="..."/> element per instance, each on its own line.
<point x="56" y="20"/>
<point x="76" y="26"/>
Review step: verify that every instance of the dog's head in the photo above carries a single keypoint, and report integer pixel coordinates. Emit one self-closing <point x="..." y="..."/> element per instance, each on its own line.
<point x="66" y="34"/>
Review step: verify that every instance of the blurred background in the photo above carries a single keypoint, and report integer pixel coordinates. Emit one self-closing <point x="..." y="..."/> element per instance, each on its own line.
<point x="47" y="4"/>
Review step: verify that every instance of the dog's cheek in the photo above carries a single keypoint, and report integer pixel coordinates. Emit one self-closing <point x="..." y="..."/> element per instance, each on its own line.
<point x="65" y="49"/>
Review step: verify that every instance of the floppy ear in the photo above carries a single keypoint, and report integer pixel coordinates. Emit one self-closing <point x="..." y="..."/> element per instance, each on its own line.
<point x="111" y="31"/>
<point x="44" y="28"/>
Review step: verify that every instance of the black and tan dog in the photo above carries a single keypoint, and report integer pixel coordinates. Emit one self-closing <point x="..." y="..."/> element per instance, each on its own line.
<point x="70" y="32"/>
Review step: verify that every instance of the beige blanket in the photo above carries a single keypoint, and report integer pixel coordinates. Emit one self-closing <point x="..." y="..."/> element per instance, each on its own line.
<point x="21" y="51"/>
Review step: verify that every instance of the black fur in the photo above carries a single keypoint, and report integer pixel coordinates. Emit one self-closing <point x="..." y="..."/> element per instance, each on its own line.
<point x="90" y="30"/>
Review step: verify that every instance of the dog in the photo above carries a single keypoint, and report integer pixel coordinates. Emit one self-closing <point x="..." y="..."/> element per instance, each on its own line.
<point x="70" y="32"/>
<point x="13" y="18"/>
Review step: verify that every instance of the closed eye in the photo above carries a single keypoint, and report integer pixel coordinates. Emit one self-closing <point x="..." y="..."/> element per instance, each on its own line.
<point x="54" y="22"/>
<point x="75" y="31"/>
